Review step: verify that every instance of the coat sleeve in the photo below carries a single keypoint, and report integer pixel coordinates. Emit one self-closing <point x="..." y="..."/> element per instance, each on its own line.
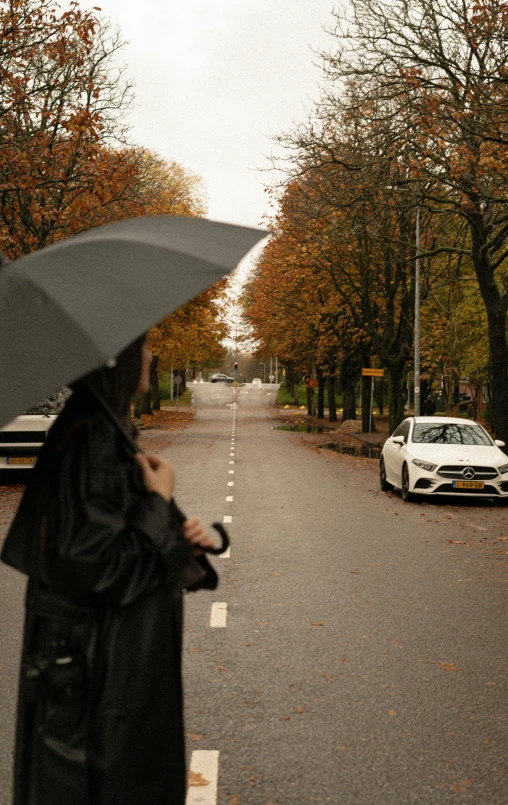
<point x="100" y="543"/>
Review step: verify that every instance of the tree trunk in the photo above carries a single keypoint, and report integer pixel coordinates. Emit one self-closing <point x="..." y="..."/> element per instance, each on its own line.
<point x="332" y="403"/>
<point x="292" y="382"/>
<point x="495" y="306"/>
<point x="310" y="401"/>
<point x="142" y="404"/>
<point x="379" y="395"/>
<point x="367" y="426"/>
<point x="349" y="374"/>
<point x="321" y="395"/>
<point x="395" y="397"/>
<point x="499" y="376"/>
<point x="349" y="400"/>
<point x="154" y="384"/>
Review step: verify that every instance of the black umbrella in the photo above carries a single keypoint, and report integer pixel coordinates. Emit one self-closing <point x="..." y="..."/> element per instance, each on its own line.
<point x="65" y="310"/>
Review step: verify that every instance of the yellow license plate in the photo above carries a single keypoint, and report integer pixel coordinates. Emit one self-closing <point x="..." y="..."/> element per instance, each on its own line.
<point x="469" y="485"/>
<point x="21" y="460"/>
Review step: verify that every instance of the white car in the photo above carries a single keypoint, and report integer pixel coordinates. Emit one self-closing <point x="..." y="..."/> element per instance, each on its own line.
<point x="22" y="439"/>
<point x="431" y="455"/>
<point x="257" y="381"/>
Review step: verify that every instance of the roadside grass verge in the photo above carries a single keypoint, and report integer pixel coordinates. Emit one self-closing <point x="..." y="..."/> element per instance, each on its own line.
<point x="184" y="401"/>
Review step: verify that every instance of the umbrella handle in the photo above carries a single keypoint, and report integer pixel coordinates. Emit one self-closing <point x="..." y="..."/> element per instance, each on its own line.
<point x="225" y="542"/>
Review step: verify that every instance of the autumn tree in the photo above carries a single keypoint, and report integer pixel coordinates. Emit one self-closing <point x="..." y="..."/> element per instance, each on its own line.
<point x="191" y="335"/>
<point x="433" y="74"/>
<point x="296" y="312"/>
<point x="62" y="115"/>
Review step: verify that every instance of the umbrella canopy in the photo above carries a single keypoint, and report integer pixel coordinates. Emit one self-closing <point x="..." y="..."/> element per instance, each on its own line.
<point x="66" y="309"/>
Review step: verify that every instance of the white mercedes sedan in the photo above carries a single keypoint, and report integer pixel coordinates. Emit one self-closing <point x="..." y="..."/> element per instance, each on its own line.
<point x="433" y="455"/>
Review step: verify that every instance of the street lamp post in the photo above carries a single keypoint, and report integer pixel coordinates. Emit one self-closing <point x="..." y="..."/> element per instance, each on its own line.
<point x="417" y="318"/>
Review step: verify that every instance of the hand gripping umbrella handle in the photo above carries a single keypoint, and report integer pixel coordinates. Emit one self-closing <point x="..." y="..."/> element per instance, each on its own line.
<point x="224" y="540"/>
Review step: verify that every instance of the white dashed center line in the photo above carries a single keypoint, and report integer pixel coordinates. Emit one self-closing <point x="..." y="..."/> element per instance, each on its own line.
<point x="231" y="472"/>
<point x="225" y="554"/>
<point x="231" y="483"/>
<point x="219" y="615"/>
<point x="203" y="777"/>
<point x="227" y="518"/>
<point x="229" y="499"/>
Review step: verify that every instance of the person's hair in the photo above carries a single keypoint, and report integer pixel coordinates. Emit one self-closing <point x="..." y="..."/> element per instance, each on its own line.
<point x="117" y="383"/>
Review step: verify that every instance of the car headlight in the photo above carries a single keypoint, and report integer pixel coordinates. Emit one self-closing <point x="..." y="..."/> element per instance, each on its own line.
<point x="504" y="468"/>
<point x="424" y="465"/>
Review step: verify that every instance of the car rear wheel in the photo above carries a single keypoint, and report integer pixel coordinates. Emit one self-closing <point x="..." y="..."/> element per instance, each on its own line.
<point x="404" y="487"/>
<point x="383" y="483"/>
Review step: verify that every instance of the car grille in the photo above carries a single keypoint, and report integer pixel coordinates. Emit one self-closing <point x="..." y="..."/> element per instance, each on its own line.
<point x="17" y="450"/>
<point x="457" y="472"/>
<point x="22" y="436"/>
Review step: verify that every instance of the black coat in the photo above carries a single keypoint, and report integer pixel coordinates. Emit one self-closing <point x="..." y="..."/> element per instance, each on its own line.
<point x="100" y="709"/>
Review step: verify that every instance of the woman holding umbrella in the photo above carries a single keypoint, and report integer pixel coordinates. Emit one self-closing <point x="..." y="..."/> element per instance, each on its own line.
<point x="108" y="554"/>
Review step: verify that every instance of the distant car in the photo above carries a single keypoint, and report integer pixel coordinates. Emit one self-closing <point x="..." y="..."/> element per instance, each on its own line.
<point x="219" y="377"/>
<point x="436" y="455"/>
<point x="22" y="439"/>
<point x="465" y="401"/>
<point x="258" y="381"/>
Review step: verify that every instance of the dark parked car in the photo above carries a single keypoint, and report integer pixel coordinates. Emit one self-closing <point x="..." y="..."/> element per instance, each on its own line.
<point x="219" y="377"/>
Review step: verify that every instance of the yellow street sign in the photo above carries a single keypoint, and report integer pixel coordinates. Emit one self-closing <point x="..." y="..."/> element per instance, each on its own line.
<point x="373" y="372"/>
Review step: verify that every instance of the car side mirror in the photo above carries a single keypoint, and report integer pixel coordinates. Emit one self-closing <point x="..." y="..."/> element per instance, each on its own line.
<point x="398" y="440"/>
<point x="499" y="443"/>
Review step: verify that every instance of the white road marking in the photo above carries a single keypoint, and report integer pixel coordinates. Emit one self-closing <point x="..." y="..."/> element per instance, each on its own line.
<point x="231" y="483"/>
<point x="203" y="777"/>
<point x="227" y="518"/>
<point x="231" y="462"/>
<point x="219" y="615"/>
<point x="225" y="554"/>
<point x="229" y="498"/>
<point x="231" y="454"/>
<point x="231" y="472"/>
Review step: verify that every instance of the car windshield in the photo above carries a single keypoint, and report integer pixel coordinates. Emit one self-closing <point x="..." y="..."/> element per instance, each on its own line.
<point x="449" y="433"/>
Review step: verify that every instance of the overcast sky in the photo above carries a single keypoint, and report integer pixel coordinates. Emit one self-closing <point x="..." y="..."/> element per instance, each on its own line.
<point x="215" y="79"/>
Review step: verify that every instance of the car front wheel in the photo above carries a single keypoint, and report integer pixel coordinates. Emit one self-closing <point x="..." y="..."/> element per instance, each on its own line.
<point x="383" y="483"/>
<point x="404" y="487"/>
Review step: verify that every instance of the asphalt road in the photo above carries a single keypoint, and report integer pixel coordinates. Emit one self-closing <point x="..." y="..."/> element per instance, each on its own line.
<point x="363" y="656"/>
